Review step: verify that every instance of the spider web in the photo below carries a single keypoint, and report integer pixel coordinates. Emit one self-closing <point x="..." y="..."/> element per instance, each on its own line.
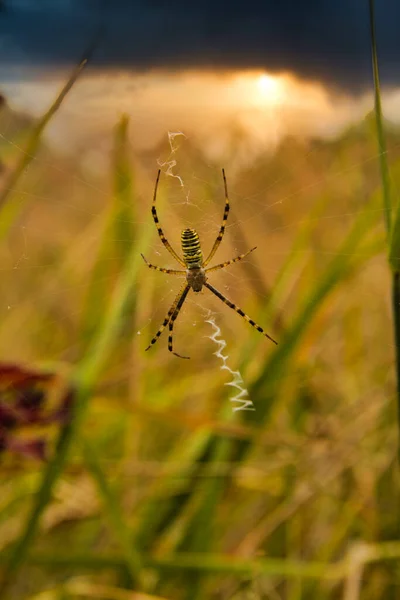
<point x="296" y="202"/>
<point x="267" y="210"/>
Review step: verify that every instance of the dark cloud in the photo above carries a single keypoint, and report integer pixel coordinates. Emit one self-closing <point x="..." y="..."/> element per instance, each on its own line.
<point x="321" y="39"/>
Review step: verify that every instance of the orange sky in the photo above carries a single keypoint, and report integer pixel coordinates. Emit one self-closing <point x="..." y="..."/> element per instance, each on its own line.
<point x="232" y="116"/>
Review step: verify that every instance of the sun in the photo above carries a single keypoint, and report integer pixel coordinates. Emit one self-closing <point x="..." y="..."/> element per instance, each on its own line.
<point x="269" y="89"/>
<point x="257" y="89"/>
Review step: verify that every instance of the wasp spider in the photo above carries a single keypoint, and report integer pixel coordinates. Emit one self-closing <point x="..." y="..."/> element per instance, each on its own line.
<point x="195" y="270"/>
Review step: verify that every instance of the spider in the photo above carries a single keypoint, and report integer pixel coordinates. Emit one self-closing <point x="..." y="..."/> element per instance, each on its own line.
<point x="195" y="270"/>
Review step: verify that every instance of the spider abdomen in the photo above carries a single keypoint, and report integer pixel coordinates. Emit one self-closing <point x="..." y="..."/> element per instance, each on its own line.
<point x="191" y="249"/>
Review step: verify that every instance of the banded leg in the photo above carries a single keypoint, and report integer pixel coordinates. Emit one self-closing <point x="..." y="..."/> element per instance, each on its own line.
<point x="159" y="230"/>
<point x="177" y="302"/>
<point x="169" y="271"/>
<point x="239" y="311"/>
<point x="172" y="321"/>
<point x="230" y="262"/>
<point x="224" y="220"/>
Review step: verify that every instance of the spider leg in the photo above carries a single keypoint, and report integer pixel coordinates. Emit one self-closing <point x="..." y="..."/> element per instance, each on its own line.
<point x="230" y="262"/>
<point x="222" y="229"/>
<point x="169" y="271"/>
<point x="174" y="308"/>
<point x="159" y="230"/>
<point x="173" y="318"/>
<point x="238" y="310"/>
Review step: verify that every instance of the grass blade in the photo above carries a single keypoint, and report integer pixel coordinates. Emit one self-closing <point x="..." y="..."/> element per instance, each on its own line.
<point x="133" y="560"/>
<point x="10" y="210"/>
<point x="123" y="185"/>
<point x="117" y="237"/>
<point x="379" y="123"/>
<point x="393" y="229"/>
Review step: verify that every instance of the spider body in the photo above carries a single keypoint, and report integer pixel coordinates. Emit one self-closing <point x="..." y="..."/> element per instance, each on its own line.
<point x="196" y="278"/>
<point x="191" y="249"/>
<point x="193" y="259"/>
<point x="195" y="270"/>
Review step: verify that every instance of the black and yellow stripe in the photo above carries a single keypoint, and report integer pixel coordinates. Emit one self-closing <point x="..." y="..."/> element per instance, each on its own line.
<point x="171" y="316"/>
<point x="225" y="264"/>
<point x="159" y="230"/>
<point x="192" y="254"/>
<point x="238" y="310"/>
<point x="161" y="269"/>
<point x="222" y="229"/>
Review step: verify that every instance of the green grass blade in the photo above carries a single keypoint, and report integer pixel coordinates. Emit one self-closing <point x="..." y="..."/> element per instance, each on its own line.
<point x="379" y="123"/>
<point x="185" y="455"/>
<point x="112" y="505"/>
<point x="123" y="185"/>
<point x="10" y="210"/>
<point x="160" y="518"/>
<point x="98" y="290"/>
<point x="213" y="563"/>
<point x="209" y="564"/>
<point x="393" y="229"/>
<point x="394" y="246"/>
<point x="200" y="532"/>
<point x="117" y="236"/>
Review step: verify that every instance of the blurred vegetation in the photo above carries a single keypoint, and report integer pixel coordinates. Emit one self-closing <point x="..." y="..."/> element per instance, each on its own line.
<point x="154" y="487"/>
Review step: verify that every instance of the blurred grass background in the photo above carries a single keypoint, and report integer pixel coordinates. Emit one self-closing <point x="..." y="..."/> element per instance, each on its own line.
<point x="156" y="488"/>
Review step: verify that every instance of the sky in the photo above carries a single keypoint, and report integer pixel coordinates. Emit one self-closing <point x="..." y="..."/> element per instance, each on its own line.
<point x="318" y="39"/>
<point x="262" y="67"/>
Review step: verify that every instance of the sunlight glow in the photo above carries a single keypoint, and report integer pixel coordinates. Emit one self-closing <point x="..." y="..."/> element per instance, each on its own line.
<point x="232" y="115"/>
<point x="269" y="88"/>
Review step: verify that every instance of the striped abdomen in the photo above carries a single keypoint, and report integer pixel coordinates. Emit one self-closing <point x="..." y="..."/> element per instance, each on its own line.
<point x="192" y="254"/>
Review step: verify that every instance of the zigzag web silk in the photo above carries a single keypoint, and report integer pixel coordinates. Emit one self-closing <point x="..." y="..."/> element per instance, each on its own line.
<point x="242" y="396"/>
